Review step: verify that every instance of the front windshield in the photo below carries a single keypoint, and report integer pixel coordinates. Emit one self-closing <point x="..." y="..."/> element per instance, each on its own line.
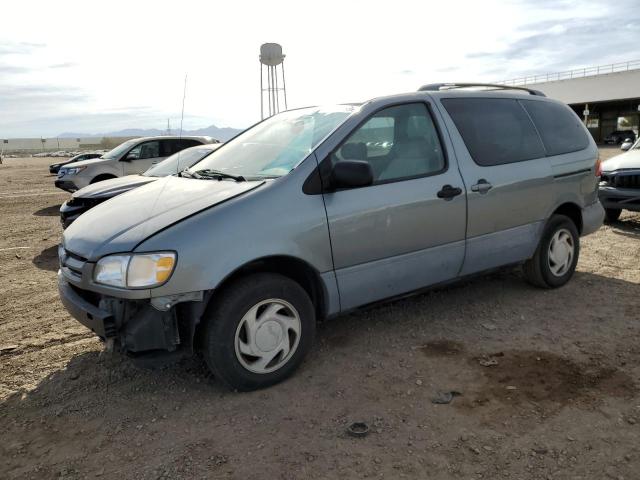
<point x="178" y="162"/>
<point x="274" y="147"/>
<point x="119" y="150"/>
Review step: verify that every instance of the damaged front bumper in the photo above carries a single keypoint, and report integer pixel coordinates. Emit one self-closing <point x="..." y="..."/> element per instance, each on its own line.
<point x="136" y="325"/>
<point x="618" y="198"/>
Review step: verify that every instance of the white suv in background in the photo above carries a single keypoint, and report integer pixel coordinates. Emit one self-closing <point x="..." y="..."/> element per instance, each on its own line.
<point x="131" y="157"/>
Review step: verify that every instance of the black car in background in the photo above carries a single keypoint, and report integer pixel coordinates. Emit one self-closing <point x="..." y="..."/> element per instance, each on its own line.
<point x="618" y="136"/>
<point x="53" y="168"/>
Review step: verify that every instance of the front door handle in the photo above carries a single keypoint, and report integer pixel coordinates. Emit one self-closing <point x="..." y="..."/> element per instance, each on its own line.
<point x="482" y="186"/>
<point x="448" y="192"/>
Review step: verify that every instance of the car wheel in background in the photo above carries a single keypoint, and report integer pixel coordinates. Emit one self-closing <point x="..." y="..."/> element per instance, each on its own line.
<point x="612" y="214"/>
<point x="258" y="331"/>
<point x="557" y="254"/>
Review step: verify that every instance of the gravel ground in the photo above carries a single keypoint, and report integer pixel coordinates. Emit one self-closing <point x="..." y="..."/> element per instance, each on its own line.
<point x="548" y="380"/>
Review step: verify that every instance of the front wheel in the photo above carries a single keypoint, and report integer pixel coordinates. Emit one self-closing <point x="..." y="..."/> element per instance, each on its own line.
<point x="259" y="331"/>
<point x="557" y="254"/>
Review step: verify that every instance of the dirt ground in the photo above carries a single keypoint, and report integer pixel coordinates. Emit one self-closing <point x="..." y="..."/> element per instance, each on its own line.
<point x="548" y="380"/>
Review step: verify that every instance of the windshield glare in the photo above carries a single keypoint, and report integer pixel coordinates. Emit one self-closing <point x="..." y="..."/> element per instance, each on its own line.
<point x="120" y="149"/>
<point x="178" y="162"/>
<point x="275" y="146"/>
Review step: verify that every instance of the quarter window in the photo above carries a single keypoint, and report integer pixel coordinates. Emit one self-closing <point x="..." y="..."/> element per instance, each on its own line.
<point x="398" y="142"/>
<point x="495" y="130"/>
<point x="560" y="128"/>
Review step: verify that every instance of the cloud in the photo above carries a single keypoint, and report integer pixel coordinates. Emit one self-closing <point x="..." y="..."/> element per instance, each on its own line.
<point x="566" y="43"/>
<point x="16" y="94"/>
<point x="63" y="65"/>
<point x="18" y="48"/>
<point x="9" y="69"/>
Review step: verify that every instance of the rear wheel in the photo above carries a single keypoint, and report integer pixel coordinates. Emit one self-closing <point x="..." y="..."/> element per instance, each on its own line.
<point x="557" y="254"/>
<point x="612" y="214"/>
<point x="259" y="331"/>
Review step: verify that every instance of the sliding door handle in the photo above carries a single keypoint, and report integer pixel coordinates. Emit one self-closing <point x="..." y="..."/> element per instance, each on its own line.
<point x="482" y="186"/>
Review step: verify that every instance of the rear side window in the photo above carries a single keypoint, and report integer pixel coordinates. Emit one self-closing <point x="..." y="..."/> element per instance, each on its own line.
<point x="559" y="127"/>
<point x="495" y="130"/>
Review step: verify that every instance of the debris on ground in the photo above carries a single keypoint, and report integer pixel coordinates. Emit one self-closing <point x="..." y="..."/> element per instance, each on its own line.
<point x="444" y="398"/>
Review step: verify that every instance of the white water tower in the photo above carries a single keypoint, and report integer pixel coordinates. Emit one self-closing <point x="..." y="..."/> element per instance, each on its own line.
<point x="271" y="57"/>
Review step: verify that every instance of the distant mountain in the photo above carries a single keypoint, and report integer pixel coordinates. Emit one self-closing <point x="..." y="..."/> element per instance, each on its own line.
<point x="222" y="134"/>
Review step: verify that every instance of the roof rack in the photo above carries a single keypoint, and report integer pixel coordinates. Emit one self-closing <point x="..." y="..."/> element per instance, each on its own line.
<point x="435" y="87"/>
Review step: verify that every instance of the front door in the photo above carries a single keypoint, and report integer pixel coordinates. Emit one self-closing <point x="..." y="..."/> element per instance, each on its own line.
<point x="142" y="156"/>
<point x="406" y="230"/>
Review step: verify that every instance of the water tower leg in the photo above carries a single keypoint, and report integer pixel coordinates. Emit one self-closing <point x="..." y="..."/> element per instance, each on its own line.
<point x="277" y="92"/>
<point x="261" y="95"/>
<point x="284" y="87"/>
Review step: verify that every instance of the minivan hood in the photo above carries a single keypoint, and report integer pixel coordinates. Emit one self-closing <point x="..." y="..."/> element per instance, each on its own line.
<point x="630" y="159"/>
<point x="113" y="186"/>
<point x="121" y="223"/>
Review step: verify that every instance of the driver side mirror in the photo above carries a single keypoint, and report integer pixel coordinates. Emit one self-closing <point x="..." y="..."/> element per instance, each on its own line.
<point x="130" y="156"/>
<point x="351" y="174"/>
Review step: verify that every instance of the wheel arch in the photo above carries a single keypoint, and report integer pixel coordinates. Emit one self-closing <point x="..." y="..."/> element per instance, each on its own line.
<point x="291" y="267"/>
<point x="101" y="177"/>
<point x="573" y="211"/>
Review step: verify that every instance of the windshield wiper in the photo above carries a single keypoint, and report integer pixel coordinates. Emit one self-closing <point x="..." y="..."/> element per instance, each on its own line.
<point x="208" y="173"/>
<point x="186" y="174"/>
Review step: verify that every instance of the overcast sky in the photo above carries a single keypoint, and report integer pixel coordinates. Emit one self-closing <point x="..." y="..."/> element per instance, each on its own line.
<point x="90" y="67"/>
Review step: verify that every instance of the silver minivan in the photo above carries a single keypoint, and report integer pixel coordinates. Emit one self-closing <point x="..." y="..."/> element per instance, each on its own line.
<point x="322" y="210"/>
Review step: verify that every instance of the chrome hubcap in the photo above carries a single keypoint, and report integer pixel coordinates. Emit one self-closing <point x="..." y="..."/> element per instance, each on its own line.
<point x="561" y="251"/>
<point x="267" y="336"/>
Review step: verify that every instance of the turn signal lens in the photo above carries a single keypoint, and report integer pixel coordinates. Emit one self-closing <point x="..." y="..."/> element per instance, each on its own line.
<point x="150" y="270"/>
<point x="598" y="167"/>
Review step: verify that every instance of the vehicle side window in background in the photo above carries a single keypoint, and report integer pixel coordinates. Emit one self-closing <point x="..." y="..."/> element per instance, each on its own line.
<point x="399" y="142"/>
<point x="495" y="130"/>
<point x="169" y="147"/>
<point x="145" y="150"/>
<point x="560" y="128"/>
<point x="189" y="143"/>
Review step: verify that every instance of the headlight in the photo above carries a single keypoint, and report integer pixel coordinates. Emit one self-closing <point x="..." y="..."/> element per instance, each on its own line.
<point x="72" y="170"/>
<point x="144" y="270"/>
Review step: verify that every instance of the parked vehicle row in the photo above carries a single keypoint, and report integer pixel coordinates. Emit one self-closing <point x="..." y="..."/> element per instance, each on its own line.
<point x="617" y="137"/>
<point x="318" y="211"/>
<point x="91" y="195"/>
<point x="129" y="158"/>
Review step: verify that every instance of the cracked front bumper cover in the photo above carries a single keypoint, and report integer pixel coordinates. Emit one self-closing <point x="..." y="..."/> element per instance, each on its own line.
<point x="82" y="310"/>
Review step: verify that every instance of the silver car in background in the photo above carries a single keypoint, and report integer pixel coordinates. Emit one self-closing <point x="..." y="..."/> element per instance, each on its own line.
<point x="318" y="211"/>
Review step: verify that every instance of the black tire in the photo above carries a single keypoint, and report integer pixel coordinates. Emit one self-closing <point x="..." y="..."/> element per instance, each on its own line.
<point x="223" y="318"/>
<point x="537" y="270"/>
<point x="100" y="178"/>
<point x="612" y="214"/>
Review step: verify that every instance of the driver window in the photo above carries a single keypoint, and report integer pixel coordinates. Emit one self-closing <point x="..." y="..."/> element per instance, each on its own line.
<point x="145" y="150"/>
<point x="398" y="142"/>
